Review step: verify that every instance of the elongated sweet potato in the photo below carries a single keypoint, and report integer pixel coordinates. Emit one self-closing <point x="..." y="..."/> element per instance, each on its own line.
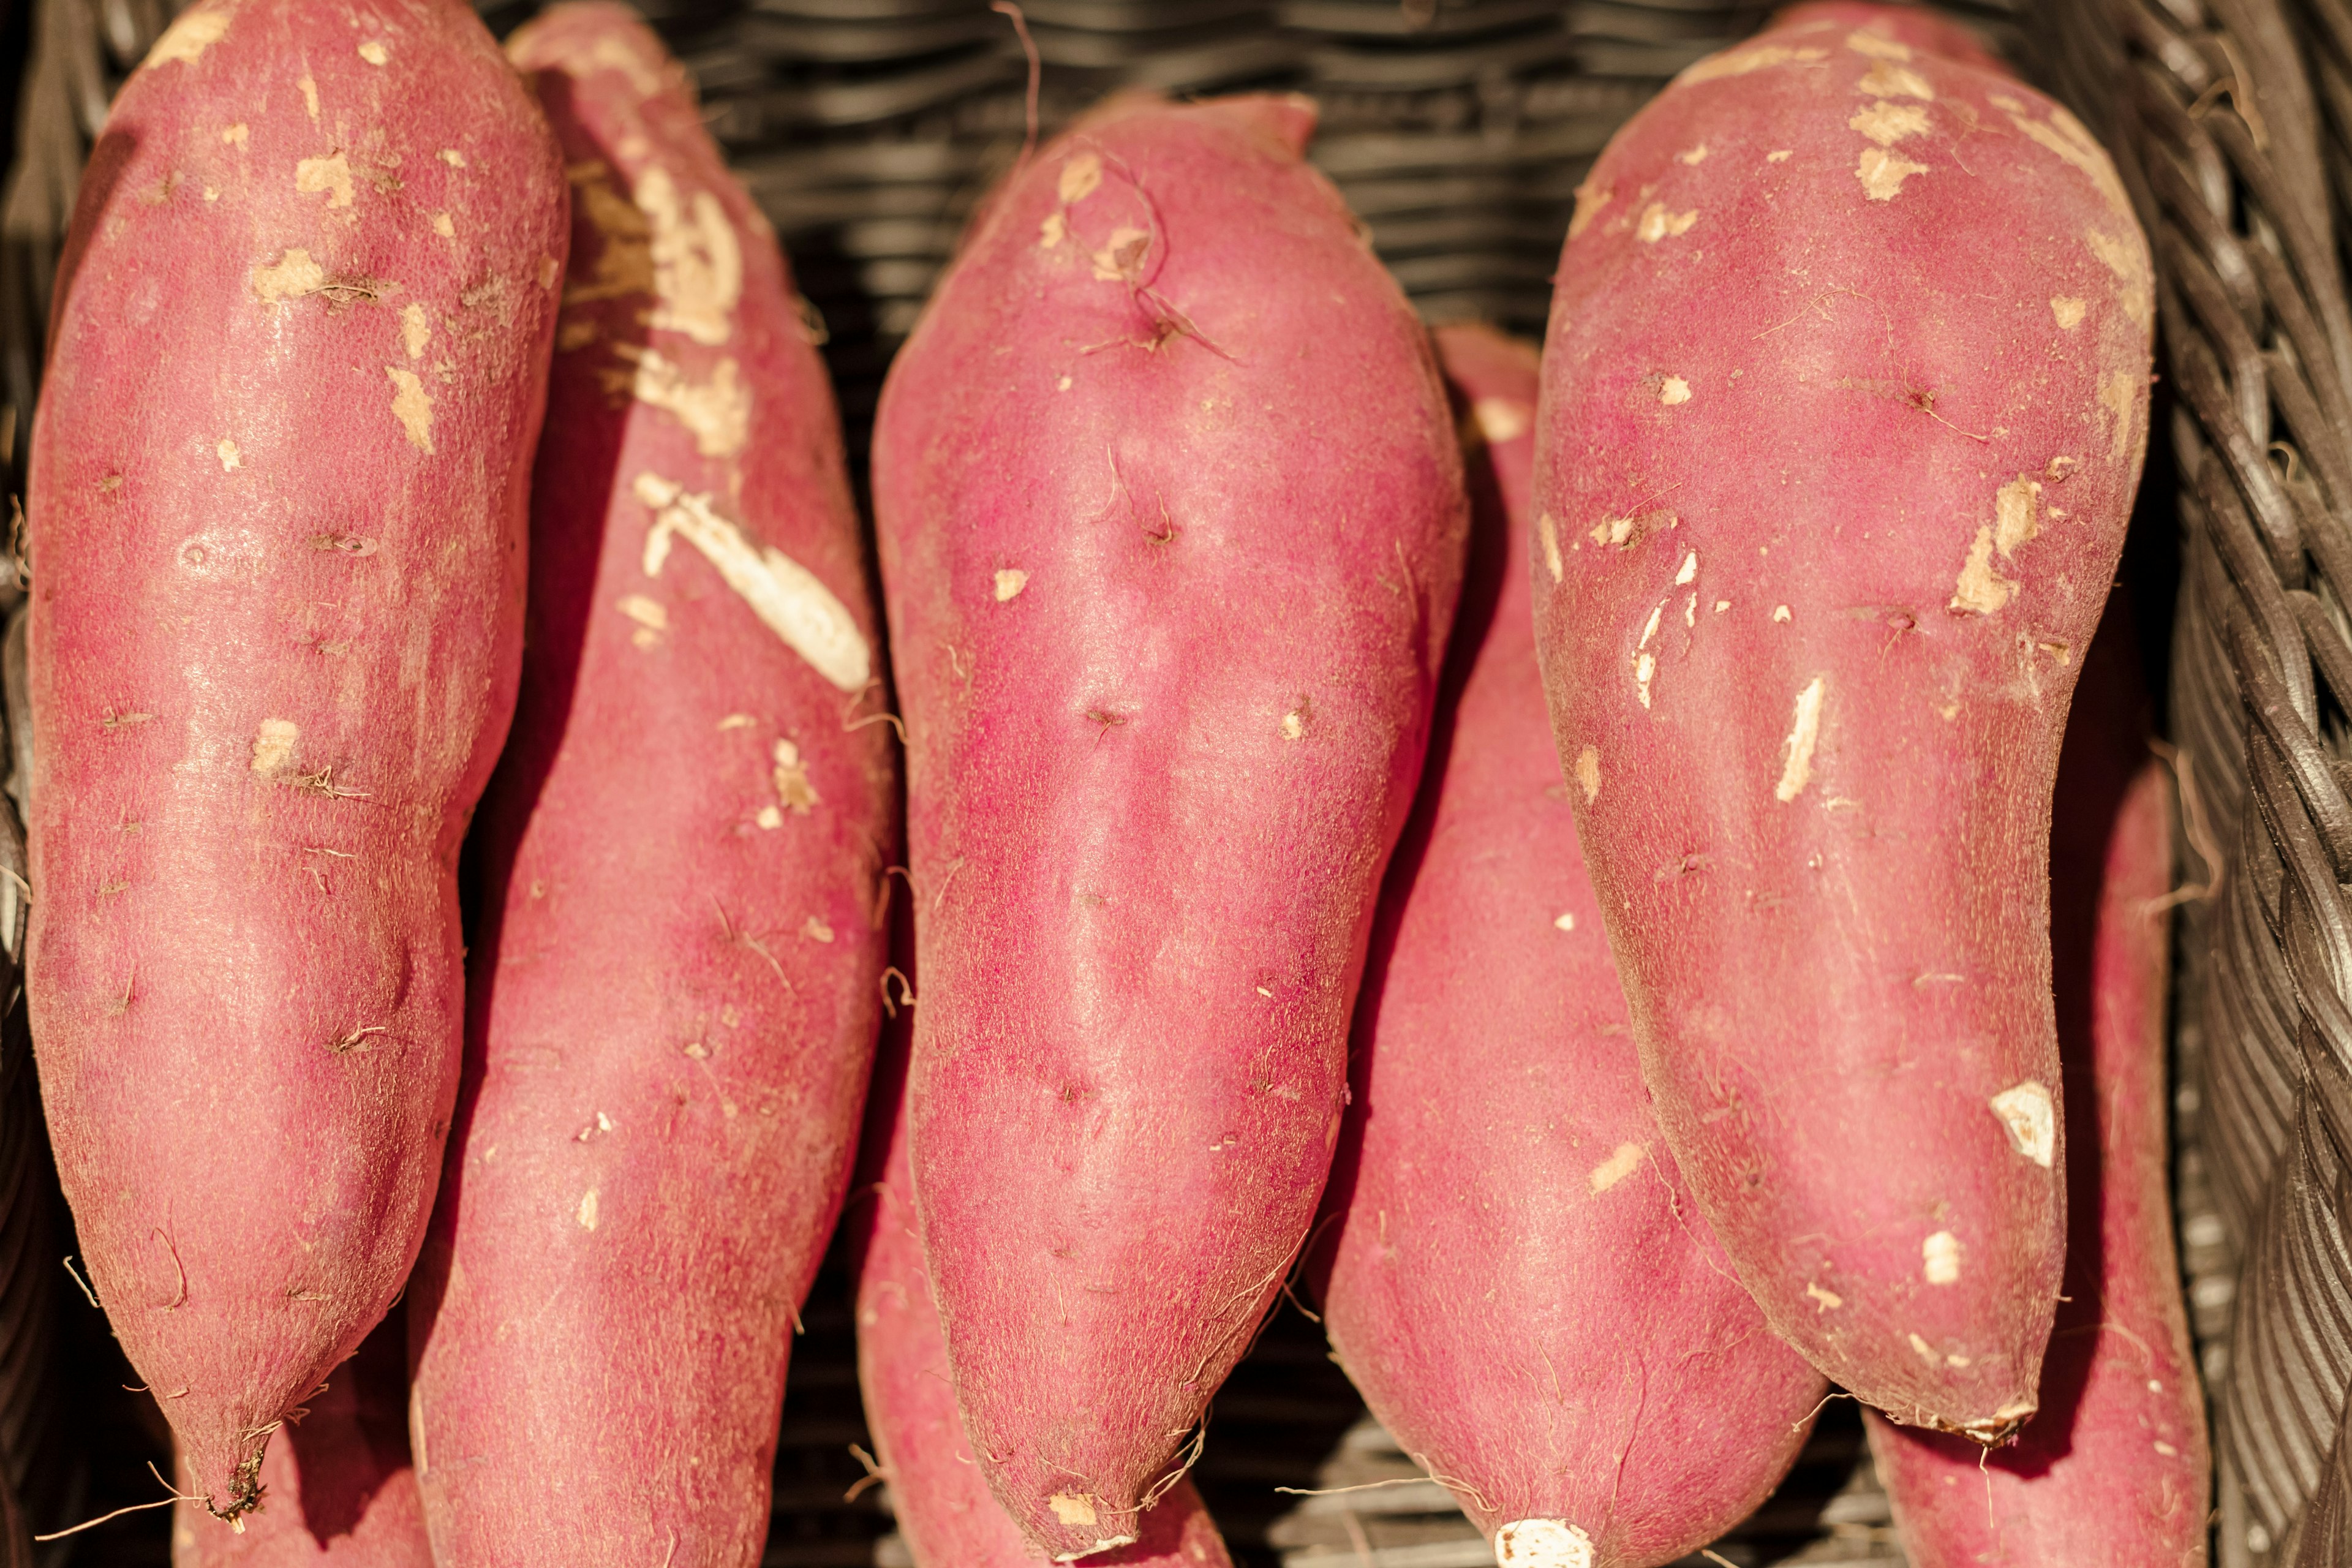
<point x="675" y="998"/>
<point x="2114" y="1472"/>
<point x="338" y="1491"/>
<point x="1516" y="1278"/>
<point x="297" y="359"/>
<point x="1843" y="405"/>
<point x="946" y="1513"/>
<point x="1170" y="518"/>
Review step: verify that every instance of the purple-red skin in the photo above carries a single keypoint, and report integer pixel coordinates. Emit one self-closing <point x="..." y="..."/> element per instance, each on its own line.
<point x="1844" y="403"/>
<point x="2114" y="1472"/>
<point x="1171" y="516"/>
<point x="338" y="1491"/>
<point x="279" y="490"/>
<point x="1516" y="1278"/>
<point x="946" y="1514"/>
<point x="675" y="986"/>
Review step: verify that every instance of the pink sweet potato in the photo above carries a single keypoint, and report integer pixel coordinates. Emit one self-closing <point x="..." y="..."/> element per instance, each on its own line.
<point x="1172" y="519"/>
<point x="1516" y="1278"/>
<point x="1843" y="407"/>
<point x="674" y="999"/>
<point x="946" y="1513"/>
<point x="279" y="492"/>
<point x="338" y="1491"/>
<point x="2113" y="1473"/>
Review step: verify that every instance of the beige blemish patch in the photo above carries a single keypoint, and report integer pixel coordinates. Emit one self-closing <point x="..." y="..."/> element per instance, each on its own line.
<point x="1693" y="157"/>
<point x="1612" y="530"/>
<point x="415" y="329"/>
<point x="1501" y="419"/>
<point x="1294" y="723"/>
<point x="586" y="1213"/>
<point x="310" y="95"/>
<point x="736" y="721"/>
<point x="1674" y="390"/>
<point x="1658" y="224"/>
<point x="1072" y="1507"/>
<point x="1617" y="1167"/>
<point x="1878" y="48"/>
<point x="374" y="52"/>
<point x="650" y="614"/>
<point x="1740" y="62"/>
<point x="1923" y="1350"/>
<point x="291" y="277"/>
<point x="2005" y="103"/>
<point x="698" y="264"/>
<point x="273" y="746"/>
<point x="443" y="226"/>
<point x="1542" y="1543"/>
<point x="1780" y="614"/>
<point x="1887" y="122"/>
<point x="2063" y="134"/>
<point x="2016" y="509"/>
<point x="2030" y="1117"/>
<point x="2117" y="389"/>
<point x="412" y="408"/>
<point x="185" y="40"/>
<point x="1080" y="177"/>
<point x="1589" y="203"/>
<point x="2129" y="264"/>
<point x="332" y="175"/>
<point x="1825" y="1299"/>
<point x="1566" y="922"/>
<point x="1779" y="155"/>
<point x="451" y="156"/>
<point x="786" y="597"/>
<point x="1010" y="581"/>
<point x="1687" y="570"/>
<point x="1939" y="1258"/>
<point x="717" y="413"/>
<point x="790" y="778"/>
<point x="769" y="817"/>
<point x="211" y="193"/>
<point x="236" y="135"/>
<point x="1645" y="663"/>
<point x="1982" y="590"/>
<point x="1804" y="734"/>
<point x="1587" y="773"/>
<point x="1882" y="173"/>
<point x="231" y="458"/>
<point x="2067" y="312"/>
<point x="1547" y="535"/>
<point x="1052" y="232"/>
<point x="816" y="930"/>
<point x="1721" y="605"/>
<point x="1888" y="79"/>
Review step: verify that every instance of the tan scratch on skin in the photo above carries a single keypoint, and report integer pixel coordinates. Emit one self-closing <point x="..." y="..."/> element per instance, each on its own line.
<point x="412" y="408"/>
<point x="1887" y="79"/>
<point x="1547" y="534"/>
<point x="1830" y="1300"/>
<point x="1939" y="1258"/>
<point x="1587" y="773"/>
<point x="1658" y="224"/>
<point x="1739" y="62"/>
<point x="1925" y="1352"/>
<point x="1688" y="570"/>
<point x="374" y="52"/>
<point x="1804" y="734"/>
<point x="1079" y="178"/>
<point x="717" y="413"/>
<point x="816" y="930"/>
<point x="1674" y="390"/>
<point x="737" y="721"/>
<point x="1010" y="581"/>
<point x="698" y="263"/>
<point x="586" y="1214"/>
<point x="1589" y="203"/>
<point x="650" y="614"/>
<point x="2067" y="312"/>
<point x="185" y="40"/>
<point x="231" y="458"/>
<point x="415" y="331"/>
<point x="1982" y="590"/>
<point x="273" y="746"/>
<point x="1616" y="1168"/>
<point x="2030" y="1117"/>
<point x="2117" y="392"/>
<point x="1863" y="43"/>
<point x="1882" y="173"/>
<point x="310" y="95"/>
<point x="1887" y="122"/>
<point x="332" y="175"/>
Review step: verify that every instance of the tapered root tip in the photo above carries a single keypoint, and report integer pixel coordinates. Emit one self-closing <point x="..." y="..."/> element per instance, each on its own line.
<point x="1999" y="1427"/>
<point x="1542" y="1543"/>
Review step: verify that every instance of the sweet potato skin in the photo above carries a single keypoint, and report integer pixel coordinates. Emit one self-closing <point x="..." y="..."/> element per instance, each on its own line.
<point x="278" y="478"/>
<point x="1171" y="521"/>
<point x="2114" y="1472"/>
<point x="674" y="1000"/>
<point x="1844" y="408"/>
<point x="1516" y="1278"/>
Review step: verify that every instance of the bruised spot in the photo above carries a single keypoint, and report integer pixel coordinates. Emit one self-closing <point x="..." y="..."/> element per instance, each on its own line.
<point x="231" y="458"/>
<point x="332" y="175"/>
<point x="1872" y="44"/>
<point x="374" y="52"/>
<point x="587" y="1210"/>
<point x="443" y="226"/>
<point x="1693" y="158"/>
<point x="1072" y="1507"/>
<point x="185" y="40"/>
<point x="1882" y="173"/>
<point x="1616" y="1168"/>
<point x="1501" y="419"/>
<point x="1079" y="179"/>
<point x="292" y="276"/>
<point x="1010" y="581"/>
<point x="2031" y="1119"/>
<point x="1587" y="773"/>
<point x="273" y="746"/>
<point x="412" y="408"/>
<point x="2117" y="390"/>
<point x="2068" y="311"/>
<point x="1589" y="203"/>
<point x="2016" y="514"/>
<point x="1939" y="1258"/>
<point x="415" y="331"/>
<point x="1981" y="590"/>
<point x="1887" y="122"/>
<point x="1658" y="224"/>
<point x="1825" y="1299"/>
<point x="1739" y="62"/>
<point x="1542" y="1543"/>
<point x="717" y="413"/>
<point x="1804" y="734"/>
<point x="1672" y="390"/>
<point x="1547" y="534"/>
<point x="786" y="597"/>
<point x="1888" y="79"/>
<point x="790" y="779"/>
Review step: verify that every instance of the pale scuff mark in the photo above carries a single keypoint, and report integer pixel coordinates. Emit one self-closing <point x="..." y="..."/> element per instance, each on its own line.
<point x="2016" y="514"/>
<point x="1501" y="419"/>
<point x="444" y="227"/>
<point x="231" y="458"/>
<point x="1645" y="663"/>
<point x="1073" y="1508"/>
<point x="1010" y="581"/>
<point x="1589" y="203"/>
<point x="412" y="408"/>
<point x="1542" y="1543"/>
<point x="651" y="615"/>
<point x="1294" y="723"/>
<point x="185" y="40"/>
<point x="793" y="791"/>
<point x="1872" y="44"/>
<point x="787" y="597"/>
<point x="1826" y="1299"/>
<point x="816" y="930"/>
<point x="587" y="1211"/>
<point x="770" y="816"/>
<point x="736" y="721"/>
<point x="2030" y="1117"/>
<point x="716" y="413"/>
<point x="1587" y="773"/>
<point x="1882" y="173"/>
<point x="1079" y="179"/>
<point x="1672" y="390"/>
<point x="1982" y="590"/>
<point x="1566" y="922"/>
<point x="451" y="156"/>
<point x="1888" y="79"/>
<point x="2063" y="134"/>
<point x="1690" y="610"/>
<point x="273" y="746"/>
<point x="332" y="175"/>
<point x="1804" y="734"/>
<point x="374" y="52"/>
<point x="1739" y="62"/>
<point x="1612" y="531"/>
<point x="698" y="262"/>
<point x="2117" y="390"/>
<point x="2128" y="261"/>
<point x="1623" y="1163"/>
<point x="1693" y="157"/>
<point x="1780" y="154"/>
<point x="1924" y="1350"/>
<point x="1658" y="224"/>
<point x="291" y="277"/>
<point x="310" y="95"/>
<point x="1780" y="614"/>
<point x="2068" y="311"/>
<point x="1688" y="570"/>
<point x="1052" y="232"/>
<point x="1887" y="122"/>
<point x="236" y="135"/>
<point x="415" y="330"/>
<point x="1939" y="1258"/>
<point x="1547" y="534"/>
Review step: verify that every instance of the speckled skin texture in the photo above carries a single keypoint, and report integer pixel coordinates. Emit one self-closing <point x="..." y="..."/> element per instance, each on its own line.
<point x="1516" y="1276"/>
<point x="278" y="488"/>
<point x="945" y="1512"/>
<point x="675" y="998"/>
<point x="337" y="1489"/>
<point x="1171" y="522"/>
<point x="2113" y="1473"/>
<point x="1843" y="407"/>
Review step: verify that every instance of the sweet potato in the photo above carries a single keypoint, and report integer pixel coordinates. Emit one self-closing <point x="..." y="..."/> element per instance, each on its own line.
<point x="674" y="1003"/>
<point x="1843" y="407"/>
<point x="297" y="359"/>
<point x="1515" y="1276"/>
<point x="338" y="1491"/>
<point x="2114" y="1472"/>
<point x="1170" y="518"/>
